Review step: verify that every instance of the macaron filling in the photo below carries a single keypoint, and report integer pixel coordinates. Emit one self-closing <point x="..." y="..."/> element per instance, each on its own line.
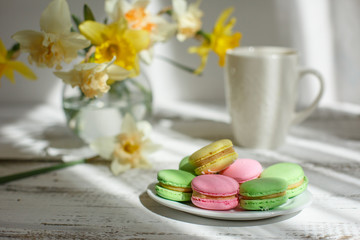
<point x="217" y="165"/>
<point x="295" y="185"/>
<point x="275" y="195"/>
<point x="202" y="196"/>
<point x="178" y="189"/>
<point x="211" y="158"/>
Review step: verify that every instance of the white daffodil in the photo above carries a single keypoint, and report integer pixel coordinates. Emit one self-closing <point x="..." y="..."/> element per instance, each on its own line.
<point x="55" y="43"/>
<point x="188" y="18"/>
<point x="92" y="77"/>
<point x="129" y="148"/>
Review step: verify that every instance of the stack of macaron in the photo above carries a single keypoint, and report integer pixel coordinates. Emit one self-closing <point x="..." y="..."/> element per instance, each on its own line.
<point x="214" y="178"/>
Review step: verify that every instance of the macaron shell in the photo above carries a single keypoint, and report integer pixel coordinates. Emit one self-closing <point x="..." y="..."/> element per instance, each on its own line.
<point x="172" y="195"/>
<point x="262" y="187"/>
<point x="215" y="185"/>
<point x="296" y="191"/>
<point x="263" y="204"/>
<point x="212" y="204"/>
<point x="176" y="178"/>
<point x="217" y="165"/>
<point x="290" y="172"/>
<point x="209" y="150"/>
<point x="243" y="170"/>
<point x="185" y="165"/>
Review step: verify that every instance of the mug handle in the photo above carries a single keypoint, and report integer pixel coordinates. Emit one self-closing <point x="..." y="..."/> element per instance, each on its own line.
<point x="302" y="115"/>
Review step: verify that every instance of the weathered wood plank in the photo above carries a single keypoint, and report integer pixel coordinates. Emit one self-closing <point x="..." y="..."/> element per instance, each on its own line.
<point x="88" y="202"/>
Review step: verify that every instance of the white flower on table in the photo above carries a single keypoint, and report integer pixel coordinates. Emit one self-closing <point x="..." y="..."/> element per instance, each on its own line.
<point x="129" y="149"/>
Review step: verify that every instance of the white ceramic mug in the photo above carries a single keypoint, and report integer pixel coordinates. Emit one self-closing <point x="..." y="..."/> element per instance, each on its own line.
<point x="261" y="87"/>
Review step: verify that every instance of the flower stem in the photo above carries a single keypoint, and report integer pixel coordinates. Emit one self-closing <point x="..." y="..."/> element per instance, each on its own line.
<point x="147" y="93"/>
<point x="18" y="176"/>
<point x="176" y="64"/>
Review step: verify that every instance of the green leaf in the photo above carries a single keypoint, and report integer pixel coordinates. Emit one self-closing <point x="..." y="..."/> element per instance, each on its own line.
<point x="206" y="36"/>
<point x="13" y="49"/>
<point x="30" y="173"/>
<point x="76" y="20"/>
<point x="88" y="14"/>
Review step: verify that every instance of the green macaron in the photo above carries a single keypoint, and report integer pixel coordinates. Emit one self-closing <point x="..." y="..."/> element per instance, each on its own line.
<point x="292" y="173"/>
<point x="174" y="184"/>
<point x="185" y="165"/>
<point x="263" y="194"/>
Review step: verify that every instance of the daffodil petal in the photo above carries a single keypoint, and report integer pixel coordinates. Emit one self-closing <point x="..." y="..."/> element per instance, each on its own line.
<point x="149" y="147"/>
<point x="3" y="51"/>
<point x="145" y="127"/>
<point x="93" y="31"/>
<point x="9" y="73"/>
<point x="147" y="55"/>
<point x="141" y="3"/>
<point x="116" y="9"/>
<point x="117" y="73"/>
<point x="2" y="69"/>
<point x="112" y="9"/>
<point x="73" y="42"/>
<point x="139" y="38"/>
<point x="22" y="69"/>
<point x="222" y="18"/>
<point x="163" y="30"/>
<point x="203" y="52"/>
<point x="228" y="27"/>
<point x="118" y="168"/>
<point x="28" y="39"/>
<point x="128" y="125"/>
<point x="56" y="17"/>
<point x="179" y="7"/>
<point x="144" y="163"/>
<point x="71" y="77"/>
<point x="104" y="146"/>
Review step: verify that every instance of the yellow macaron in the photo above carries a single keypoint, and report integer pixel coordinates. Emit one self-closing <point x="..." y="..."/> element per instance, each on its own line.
<point x="214" y="157"/>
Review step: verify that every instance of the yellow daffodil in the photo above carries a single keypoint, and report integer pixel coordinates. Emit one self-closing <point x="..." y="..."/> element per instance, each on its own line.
<point x="129" y="148"/>
<point x="8" y="66"/>
<point x="55" y="43"/>
<point x="188" y="18"/>
<point x="116" y="40"/>
<point x="139" y="18"/>
<point x="92" y="78"/>
<point x="220" y="40"/>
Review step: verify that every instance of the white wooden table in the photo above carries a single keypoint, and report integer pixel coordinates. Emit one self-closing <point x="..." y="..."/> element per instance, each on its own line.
<point x="87" y="202"/>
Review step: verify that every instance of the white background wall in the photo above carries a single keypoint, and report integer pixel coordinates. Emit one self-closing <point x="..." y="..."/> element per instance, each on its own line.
<point x="312" y="27"/>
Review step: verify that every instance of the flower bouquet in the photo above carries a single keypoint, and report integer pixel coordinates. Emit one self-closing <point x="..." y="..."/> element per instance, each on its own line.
<point x="105" y="60"/>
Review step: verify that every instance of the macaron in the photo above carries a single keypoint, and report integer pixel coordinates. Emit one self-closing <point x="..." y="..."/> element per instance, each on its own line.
<point x="214" y="157"/>
<point x="292" y="173"/>
<point x="243" y="170"/>
<point x="263" y="193"/>
<point x="215" y="192"/>
<point x="174" y="185"/>
<point x="186" y="166"/>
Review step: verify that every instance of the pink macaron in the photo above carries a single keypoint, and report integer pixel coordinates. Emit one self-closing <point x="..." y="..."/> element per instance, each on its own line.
<point x="243" y="170"/>
<point x="215" y="192"/>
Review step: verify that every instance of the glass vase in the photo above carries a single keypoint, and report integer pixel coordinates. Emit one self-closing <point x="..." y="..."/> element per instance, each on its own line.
<point x="102" y="116"/>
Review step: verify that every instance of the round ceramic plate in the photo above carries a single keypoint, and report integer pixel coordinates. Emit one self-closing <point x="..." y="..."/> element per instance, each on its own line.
<point x="293" y="205"/>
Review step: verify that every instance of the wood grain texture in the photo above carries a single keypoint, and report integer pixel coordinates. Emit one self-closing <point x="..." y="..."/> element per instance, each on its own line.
<point x="88" y="202"/>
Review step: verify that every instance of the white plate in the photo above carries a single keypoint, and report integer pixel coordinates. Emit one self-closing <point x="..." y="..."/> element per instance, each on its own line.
<point x="293" y="205"/>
